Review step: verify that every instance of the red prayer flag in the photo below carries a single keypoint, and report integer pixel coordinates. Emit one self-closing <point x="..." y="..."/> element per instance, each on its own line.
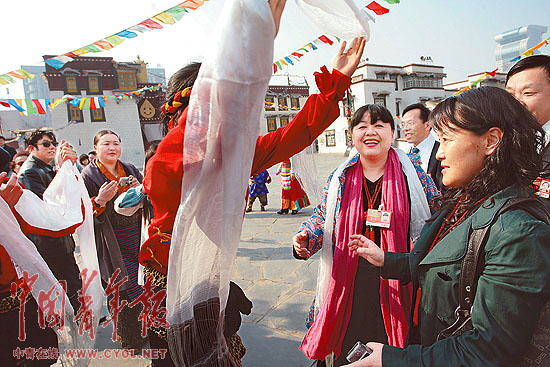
<point x="151" y="24"/>
<point x="92" y="103"/>
<point x="325" y="39"/>
<point x="377" y="8"/>
<point x="297" y="54"/>
<point x="39" y="107"/>
<point x="493" y="73"/>
<point x="5" y="104"/>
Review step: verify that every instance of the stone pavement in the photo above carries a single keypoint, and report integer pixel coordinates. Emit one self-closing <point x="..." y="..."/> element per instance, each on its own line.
<point x="280" y="287"/>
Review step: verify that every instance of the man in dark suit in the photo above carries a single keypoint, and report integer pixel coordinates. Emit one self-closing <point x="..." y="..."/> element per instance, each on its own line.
<point x="417" y="128"/>
<point x="529" y="81"/>
<point x="36" y="174"/>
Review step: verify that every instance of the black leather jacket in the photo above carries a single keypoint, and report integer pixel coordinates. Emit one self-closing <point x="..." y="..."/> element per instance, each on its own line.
<point x="36" y="176"/>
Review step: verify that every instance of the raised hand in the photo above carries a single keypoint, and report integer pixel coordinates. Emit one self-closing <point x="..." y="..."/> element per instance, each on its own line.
<point x="367" y="249"/>
<point x="12" y="191"/>
<point x="65" y="152"/>
<point x="107" y="191"/>
<point x="277" y="7"/>
<point x="300" y="242"/>
<point x="346" y="62"/>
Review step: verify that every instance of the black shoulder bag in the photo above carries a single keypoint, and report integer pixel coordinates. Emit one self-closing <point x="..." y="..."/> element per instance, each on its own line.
<point x="538" y="351"/>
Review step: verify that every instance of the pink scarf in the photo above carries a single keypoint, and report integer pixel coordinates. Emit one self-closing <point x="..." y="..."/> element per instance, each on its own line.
<point x="327" y="332"/>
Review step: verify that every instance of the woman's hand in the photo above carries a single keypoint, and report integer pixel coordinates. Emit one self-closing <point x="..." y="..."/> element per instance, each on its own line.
<point x="107" y="191"/>
<point x="367" y="249"/>
<point x="277" y="7"/>
<point x="346" y="62"/>
<point x="133" y="182"/>
<point x="373" y="360"/>
<point x="300" y="242"/>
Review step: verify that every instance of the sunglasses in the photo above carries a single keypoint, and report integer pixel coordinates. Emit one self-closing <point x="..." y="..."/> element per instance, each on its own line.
<point x="46" y="144"/>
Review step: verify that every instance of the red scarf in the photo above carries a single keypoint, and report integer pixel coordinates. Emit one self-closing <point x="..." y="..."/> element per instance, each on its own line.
<point x="327" y="332"/>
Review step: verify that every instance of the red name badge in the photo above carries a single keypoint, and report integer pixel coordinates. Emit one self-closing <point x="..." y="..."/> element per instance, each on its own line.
<point x="544" y="188"/>
<point x="378" y="218"/>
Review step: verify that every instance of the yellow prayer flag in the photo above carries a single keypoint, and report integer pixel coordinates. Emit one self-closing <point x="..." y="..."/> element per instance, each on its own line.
<point x="529" y="52"/>
<point x="81" y="104"/>
<point x="80" y="51"/>
<point x="4" y="81"/>
<point x="165" y="18"/>
<point x="25" y="73"/>
<point x="283" y="62"/>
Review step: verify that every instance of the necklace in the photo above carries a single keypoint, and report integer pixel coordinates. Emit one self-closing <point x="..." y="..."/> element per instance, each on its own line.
<point x="371" y="201"/>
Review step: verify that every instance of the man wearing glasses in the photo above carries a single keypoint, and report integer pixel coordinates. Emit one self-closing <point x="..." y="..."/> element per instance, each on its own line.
<point x="36" y="174"/>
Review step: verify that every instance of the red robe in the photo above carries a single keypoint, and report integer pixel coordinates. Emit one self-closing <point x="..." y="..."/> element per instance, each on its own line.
<point x="164" y="171"/>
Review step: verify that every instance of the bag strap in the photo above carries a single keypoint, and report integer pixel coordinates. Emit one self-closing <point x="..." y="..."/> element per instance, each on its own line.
<point x="469" y="271"/>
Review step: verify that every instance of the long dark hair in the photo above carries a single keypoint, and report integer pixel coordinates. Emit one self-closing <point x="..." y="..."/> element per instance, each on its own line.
<point x="183" y="78"/>
<point x="517" y="159"/>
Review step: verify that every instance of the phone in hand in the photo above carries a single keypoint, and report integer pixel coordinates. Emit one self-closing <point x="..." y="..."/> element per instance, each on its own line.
<point x="125" y="181"/>
<point x="358" y="352"/>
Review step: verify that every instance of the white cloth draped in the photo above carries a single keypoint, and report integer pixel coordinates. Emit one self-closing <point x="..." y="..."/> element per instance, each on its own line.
<point x="60" y="209"/>
<point x="220" y="136"/>
<point x="342" y="18"/>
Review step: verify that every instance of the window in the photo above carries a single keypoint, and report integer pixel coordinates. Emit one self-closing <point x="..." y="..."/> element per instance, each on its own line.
<point x="93" y="85"/>
<point x="397" y="111"/>
<point x="271" y="123"/>
<point x="74" y="113"/>
<point x="295" y="103"/>
<point x="282" y="103"/>
<point x="127" y="80"/>
<point x="97" y="114"/>
<point x="284" y="120"/>
<point x="381" y="100"/>
<point x="331" y="138"/>
<point x="380" y="75"/>
<point x="71" y="84"/>
<point x="270" y="103"/>
<point x="357" y="78"/>
<point x="394" y="78"/>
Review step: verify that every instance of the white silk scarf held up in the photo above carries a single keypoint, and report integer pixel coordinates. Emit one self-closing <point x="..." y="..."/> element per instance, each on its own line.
<point x="220" y="137"/>
<point x="60" y="209"/>
<point x="341" y="18"/>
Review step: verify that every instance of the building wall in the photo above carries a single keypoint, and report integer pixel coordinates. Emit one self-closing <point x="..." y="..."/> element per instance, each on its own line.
<point x="512" y="43"/>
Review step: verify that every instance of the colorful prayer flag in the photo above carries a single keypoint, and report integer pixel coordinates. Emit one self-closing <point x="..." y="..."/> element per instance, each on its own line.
<point x="103" y="44"/>
<point x="4" y="81"/>
<point x="15" y="74"/>
<point x="92" y="48"/>
<point x="139" y="28"/>
<point x="192" y="4"/>
<point x="325" y="39"/>
<point x="377" y="8"/>
<point x="126" y="34"/>
<point x="151" y="24"/>
<point x="165" y="18"/>
<point x="31" y="108"/>
<point x="39" y="107"/>
<point x="393" y="1"/>
<point x="177" y="12"/>
<point x="287" y="59"/>
<point x="5" y="104"/>
<point x="25" y="73"/>
<point x="493" y="73"/>
<point x="16" y="105"/>
<point x="297" y="54"/>
<point x="59" y="61"/>
<point x="529" y="52"/>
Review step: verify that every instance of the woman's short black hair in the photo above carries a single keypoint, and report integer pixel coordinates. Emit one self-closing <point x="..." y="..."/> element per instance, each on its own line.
<point x="518" y="158"/>
<point x="376" y="112"/>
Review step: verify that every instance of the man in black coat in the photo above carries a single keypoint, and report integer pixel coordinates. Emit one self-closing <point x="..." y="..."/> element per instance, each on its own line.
<point x="529" y="81"/>
<point x="417" y="130"/>
<point x="36" y="174"/>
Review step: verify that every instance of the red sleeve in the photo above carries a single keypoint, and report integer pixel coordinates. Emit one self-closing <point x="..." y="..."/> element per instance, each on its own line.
<point x="318" y="113"/>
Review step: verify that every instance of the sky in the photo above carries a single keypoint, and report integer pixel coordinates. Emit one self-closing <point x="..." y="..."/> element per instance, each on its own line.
<point x="457" y="34"/>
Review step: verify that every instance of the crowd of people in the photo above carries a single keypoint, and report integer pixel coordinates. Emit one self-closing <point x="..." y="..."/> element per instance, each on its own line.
<point x="396" y="231"/>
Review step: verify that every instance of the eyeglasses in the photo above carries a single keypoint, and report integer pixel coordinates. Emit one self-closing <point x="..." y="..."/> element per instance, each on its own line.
<point x="46" y="144"/>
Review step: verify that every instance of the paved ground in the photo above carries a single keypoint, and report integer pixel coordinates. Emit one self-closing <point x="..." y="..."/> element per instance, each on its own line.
<point x="281" y="287"/>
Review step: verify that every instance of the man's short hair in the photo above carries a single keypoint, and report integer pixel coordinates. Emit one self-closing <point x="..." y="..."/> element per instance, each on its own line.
<point x="92" y="152"/>
<point x="37" y="135"/>
<point x="531" y="62"/>
<point x="424" y="111"/>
